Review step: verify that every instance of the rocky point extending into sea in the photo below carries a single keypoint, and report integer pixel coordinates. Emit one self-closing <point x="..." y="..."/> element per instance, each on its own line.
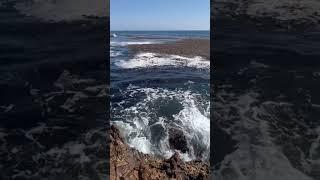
<point x="184" y="47"/>
<point x="128" y="163"/>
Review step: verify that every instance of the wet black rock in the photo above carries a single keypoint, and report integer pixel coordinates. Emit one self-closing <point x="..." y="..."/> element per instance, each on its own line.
<point x="177" y="140"/>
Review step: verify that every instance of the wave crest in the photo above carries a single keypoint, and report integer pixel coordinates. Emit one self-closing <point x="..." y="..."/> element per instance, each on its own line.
<point x="143" y="60"/>
<point x="145" y="126"/>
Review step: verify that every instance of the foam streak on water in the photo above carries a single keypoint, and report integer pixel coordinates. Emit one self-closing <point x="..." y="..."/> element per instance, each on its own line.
<point x="143" y="60"/>
<point x="256" y="155"/>
<point x="123" y="43"/>
<point x="143" y="117"/>
<point x="153" y="93"/>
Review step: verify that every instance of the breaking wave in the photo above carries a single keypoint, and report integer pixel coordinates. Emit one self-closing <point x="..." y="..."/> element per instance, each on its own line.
<point x="126" y="43"/>
<point x="143" y="60"/>
<point x="114" y="53"/>
<point x="145" y="124"/>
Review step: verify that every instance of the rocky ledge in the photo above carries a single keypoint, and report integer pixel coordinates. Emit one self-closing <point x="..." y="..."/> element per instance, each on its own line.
<point x="128" y="163"/>
<point x="185" y="47"/>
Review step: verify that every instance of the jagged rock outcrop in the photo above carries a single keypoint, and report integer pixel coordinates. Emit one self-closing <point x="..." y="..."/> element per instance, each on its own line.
<point x="186" y="48"/>
<point x="177" y="140"/>
<point x="128" y="163"/>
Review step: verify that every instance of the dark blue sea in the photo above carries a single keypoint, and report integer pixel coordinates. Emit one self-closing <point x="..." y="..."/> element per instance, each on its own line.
<point x="152" y="94"/>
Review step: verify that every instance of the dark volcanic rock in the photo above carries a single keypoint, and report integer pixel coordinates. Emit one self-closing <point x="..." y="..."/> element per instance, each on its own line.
<point x="186" y="47"/>
<point x="127" y="163"/>
<point x="177" y="140"/>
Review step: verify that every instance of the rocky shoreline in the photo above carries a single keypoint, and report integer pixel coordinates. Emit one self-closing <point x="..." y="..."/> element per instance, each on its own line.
<point x="185" y="47"/>
<point x="128" y="163"/>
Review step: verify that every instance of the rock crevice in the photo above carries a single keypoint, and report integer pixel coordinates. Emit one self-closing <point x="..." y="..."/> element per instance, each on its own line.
<point x="128" y="163"/>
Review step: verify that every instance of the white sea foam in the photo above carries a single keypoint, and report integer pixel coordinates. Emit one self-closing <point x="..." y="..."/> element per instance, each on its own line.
<point x="138" y="122"/>
<point x="142" y="144"/>
<point x="257" y="155"/>
<point x="196" y="123"/>
<point x="126" y="43"/>
<point x="143" y="60"/>
<point x="114" y="53"/>
<point x="268" y="163"/>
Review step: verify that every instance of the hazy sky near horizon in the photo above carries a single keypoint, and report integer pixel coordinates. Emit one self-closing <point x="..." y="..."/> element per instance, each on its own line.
<point x="160" y="14"/>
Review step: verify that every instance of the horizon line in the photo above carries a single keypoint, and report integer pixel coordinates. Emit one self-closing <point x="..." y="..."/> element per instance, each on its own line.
<point x="164" y="30"/>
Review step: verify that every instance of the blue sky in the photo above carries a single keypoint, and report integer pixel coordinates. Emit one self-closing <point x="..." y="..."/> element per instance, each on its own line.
<point x="159" y="14"/>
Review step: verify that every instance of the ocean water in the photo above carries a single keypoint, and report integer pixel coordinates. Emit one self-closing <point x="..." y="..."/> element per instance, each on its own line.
<point x="152" y="93"/>
<point x="266" y="104"/>
<point x="44" y="133"/>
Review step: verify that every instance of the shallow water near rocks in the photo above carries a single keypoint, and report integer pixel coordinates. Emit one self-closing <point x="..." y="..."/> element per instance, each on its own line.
<point x="152" y="93"/>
